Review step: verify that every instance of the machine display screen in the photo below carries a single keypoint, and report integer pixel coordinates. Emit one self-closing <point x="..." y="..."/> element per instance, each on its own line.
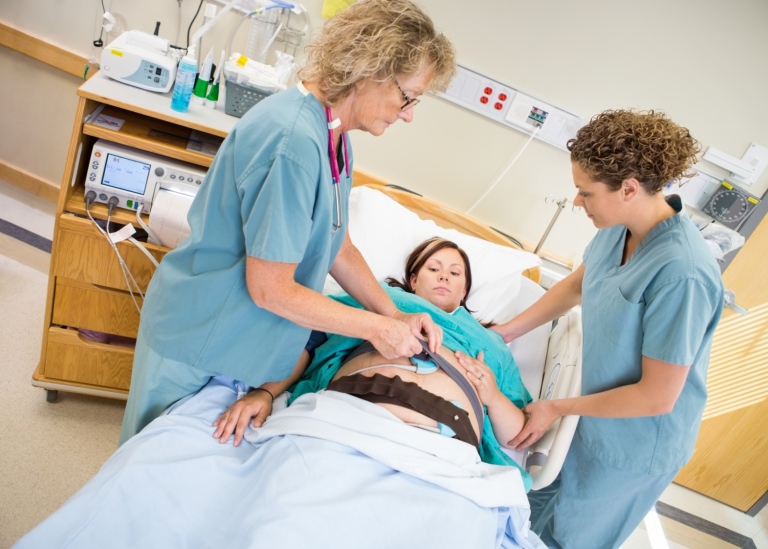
<point x="126" y="174"/>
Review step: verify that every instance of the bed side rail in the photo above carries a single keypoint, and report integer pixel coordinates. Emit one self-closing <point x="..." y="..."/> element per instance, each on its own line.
<point x="562" y="379"/>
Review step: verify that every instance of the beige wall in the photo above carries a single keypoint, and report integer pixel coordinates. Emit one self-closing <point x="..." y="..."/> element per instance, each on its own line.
<point x="701" y="61"/>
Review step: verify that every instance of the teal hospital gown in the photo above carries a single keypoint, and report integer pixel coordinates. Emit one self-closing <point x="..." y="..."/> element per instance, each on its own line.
<point x="461" y="332"/>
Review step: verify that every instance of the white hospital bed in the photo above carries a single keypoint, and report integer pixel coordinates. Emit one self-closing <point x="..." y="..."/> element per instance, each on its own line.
<point x="332" y="470"/>
<point x="549" y="371"/>
<point x="387" y="222"/>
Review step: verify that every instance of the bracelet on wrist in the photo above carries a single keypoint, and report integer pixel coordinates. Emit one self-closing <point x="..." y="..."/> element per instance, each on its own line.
<point x="265" y="390"/>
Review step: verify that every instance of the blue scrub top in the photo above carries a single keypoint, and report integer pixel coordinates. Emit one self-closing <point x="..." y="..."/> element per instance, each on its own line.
<point x="268" y="194"/>
<point x="663" y="303"/>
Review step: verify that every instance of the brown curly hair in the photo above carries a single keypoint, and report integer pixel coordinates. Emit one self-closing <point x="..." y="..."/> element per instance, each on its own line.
<point x="646" y="145"/>
<point x="376" y="39"/>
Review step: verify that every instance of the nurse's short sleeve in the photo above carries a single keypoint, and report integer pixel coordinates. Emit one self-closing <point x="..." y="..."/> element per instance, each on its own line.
<point x="675" y="321"/>
<point x="276" y="208"/>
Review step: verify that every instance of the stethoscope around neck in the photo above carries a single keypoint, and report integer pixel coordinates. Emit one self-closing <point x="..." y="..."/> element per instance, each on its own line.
<point x="338" y="220"/>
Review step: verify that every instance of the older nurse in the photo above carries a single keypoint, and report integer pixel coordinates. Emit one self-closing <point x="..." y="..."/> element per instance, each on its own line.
<point x="651" y="297"/>
<point x="240" y="295"/>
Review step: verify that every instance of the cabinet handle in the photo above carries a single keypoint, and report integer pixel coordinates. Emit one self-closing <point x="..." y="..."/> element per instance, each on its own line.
<point x="730" y="303"/>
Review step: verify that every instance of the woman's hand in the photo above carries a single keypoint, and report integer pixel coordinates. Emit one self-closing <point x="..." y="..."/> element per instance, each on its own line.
<point x="257" y="405"/>
<point x="540" y="415"/>
<point x="506" y="418"/>
<point x="481" y="376"/>
<point x="421" y="324"/>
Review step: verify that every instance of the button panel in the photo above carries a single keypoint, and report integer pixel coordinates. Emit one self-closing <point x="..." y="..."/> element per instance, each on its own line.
<point x="512" y="108"/>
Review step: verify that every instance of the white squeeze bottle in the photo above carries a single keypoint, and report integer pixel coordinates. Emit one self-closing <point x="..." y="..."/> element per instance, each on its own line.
<point x="185" y="82"/>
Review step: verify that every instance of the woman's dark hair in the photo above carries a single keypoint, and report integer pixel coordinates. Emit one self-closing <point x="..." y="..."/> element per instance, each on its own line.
<point x="419" y="257"/>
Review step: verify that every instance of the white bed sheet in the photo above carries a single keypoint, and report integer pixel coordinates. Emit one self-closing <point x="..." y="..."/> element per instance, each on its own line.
<point x="173" y="485"/>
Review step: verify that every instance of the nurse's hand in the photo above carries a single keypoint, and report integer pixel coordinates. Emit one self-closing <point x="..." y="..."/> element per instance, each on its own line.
<point x="539" y="416"/>
<point x="422" y="325"/>
<point x="256" y="405"/>
<point x="393" y="339"/>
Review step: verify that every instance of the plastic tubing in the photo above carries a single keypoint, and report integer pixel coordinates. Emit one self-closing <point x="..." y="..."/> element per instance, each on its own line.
<point x="205" y="28"/>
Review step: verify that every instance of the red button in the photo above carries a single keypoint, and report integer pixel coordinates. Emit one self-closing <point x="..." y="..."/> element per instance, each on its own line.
<point x="498" y="106"/>
<point x="488" y="91"/>
<point x="483" y="100"/>
<point x="502" y="97"/>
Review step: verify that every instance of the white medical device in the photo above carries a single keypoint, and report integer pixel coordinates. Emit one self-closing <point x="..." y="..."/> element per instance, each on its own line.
<point x="133" y="177"/>
<point x="141" y="60"/>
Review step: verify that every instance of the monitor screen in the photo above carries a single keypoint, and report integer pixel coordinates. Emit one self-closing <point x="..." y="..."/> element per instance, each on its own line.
<point x="125" y="174"/>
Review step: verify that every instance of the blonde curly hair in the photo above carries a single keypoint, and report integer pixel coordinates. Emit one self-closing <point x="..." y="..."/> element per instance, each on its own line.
<point x="621" y="144"/>
<point x="376" y="39"/>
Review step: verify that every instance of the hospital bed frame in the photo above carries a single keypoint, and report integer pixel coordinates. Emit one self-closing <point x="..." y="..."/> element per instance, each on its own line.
<point x="555" y="375"/>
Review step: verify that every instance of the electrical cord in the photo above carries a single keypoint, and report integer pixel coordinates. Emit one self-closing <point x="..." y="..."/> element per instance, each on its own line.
<point x="123" y="266"/>
<point x="144" y="251"/>
<point x="89" y="199"/>
<point x="112" y="204"/>
<point x="144" y="226"/>
<point x="535" y="131"/>
<point x="99" y="42"/>
<point x="189" y="29"/>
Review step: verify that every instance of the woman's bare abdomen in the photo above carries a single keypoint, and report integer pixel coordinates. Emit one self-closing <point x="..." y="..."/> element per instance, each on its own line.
<point x="438" y="383"/>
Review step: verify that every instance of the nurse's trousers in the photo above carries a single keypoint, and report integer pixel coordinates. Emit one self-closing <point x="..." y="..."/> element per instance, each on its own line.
<point x="593" y="505"/>
<point x="156" y="383"/>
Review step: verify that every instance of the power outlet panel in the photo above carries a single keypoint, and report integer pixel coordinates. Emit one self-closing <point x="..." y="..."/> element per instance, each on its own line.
<point x="510" y="107"/>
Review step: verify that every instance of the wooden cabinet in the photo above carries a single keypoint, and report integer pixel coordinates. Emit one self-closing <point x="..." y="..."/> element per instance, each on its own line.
<point x="730" y="463"/>
<point x="87" y="291"/>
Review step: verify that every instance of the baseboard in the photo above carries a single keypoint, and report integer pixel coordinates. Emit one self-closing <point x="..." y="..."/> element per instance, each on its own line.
<point x="27" y="181"/>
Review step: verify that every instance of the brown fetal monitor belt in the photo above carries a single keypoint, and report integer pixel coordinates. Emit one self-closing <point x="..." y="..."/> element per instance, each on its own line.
<point x="393" y="390"/>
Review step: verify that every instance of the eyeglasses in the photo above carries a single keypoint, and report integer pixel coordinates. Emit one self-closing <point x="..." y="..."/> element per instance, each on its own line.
<point x="409" y="103"/>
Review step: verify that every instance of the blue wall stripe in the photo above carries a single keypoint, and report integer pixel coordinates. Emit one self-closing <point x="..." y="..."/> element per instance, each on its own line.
<point x="22" y="234"/>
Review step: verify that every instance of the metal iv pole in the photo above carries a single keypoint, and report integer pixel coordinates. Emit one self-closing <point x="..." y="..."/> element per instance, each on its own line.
<point x="560" y="206"/>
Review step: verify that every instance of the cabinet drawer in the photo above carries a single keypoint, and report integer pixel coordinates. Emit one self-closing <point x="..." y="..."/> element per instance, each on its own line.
<point x="83" y="305"/>
<point x="82" y="253"/>
<point x="70" y="357"/>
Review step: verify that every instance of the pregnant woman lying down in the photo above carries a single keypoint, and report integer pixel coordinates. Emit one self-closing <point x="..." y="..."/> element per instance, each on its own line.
<point x="476" y="400"/>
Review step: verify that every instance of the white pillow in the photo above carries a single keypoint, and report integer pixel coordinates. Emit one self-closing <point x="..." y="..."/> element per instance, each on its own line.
<point x="386" y="232"/>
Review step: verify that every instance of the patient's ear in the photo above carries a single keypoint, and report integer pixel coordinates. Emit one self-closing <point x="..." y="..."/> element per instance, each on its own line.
<point x="412" y="281"/>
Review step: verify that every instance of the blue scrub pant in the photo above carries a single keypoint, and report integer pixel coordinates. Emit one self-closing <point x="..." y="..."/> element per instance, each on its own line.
<point x="156" y="383"/>
<point x="591" y="504"/>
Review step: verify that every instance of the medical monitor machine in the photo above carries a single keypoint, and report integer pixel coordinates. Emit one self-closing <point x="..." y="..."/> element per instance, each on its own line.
<point x="134" y="177"/>
<point x="128" y="178"/>
<point x="140" y="59"/>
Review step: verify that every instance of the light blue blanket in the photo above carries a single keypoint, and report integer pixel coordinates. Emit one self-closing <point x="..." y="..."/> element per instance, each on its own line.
<point x="173" y="485"/>
<point x="461" y="332"/>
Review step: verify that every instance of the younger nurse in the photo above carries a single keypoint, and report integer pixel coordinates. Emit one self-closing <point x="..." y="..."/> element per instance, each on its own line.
<point x="651" y="297"/>
<point x="240" y="295"/>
